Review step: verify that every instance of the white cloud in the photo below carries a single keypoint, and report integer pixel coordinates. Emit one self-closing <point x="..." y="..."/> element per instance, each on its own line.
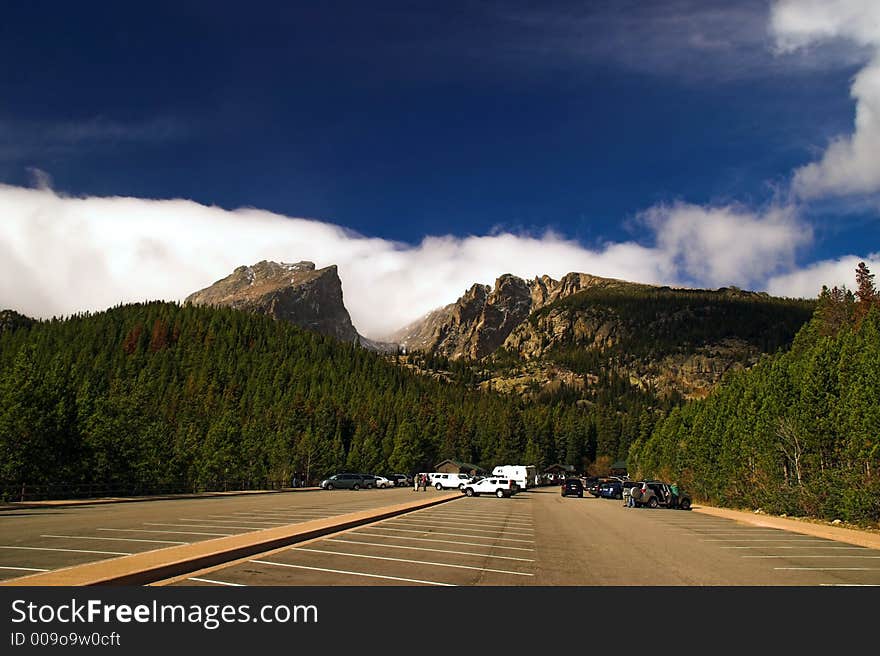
<point x="851" y="163"/>
<point x="60" y="255"/>
<point x="724" y="245"/>
<point x="808" y="282"/>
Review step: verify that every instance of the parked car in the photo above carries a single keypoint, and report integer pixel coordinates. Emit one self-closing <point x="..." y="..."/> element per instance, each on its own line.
<point x="382" y="482"/>
<point x="401" y="480"/>
<point x="444" y="481"/>
<point x="368" y="480"/>
<point x="343" y="482"/>
<point x="611" y="490"/>
<point x="655" y="494"/>
<point x="500" y="487"/>
<point x="592" y="484"/>
<point x="573" y="487"/>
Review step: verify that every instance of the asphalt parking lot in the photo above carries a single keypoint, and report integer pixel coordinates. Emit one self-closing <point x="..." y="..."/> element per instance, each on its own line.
<point x="471" y="541"/>
<point x="534" y="538"/>
<point x="539" y="538"/>
<point x="39" y="539"/>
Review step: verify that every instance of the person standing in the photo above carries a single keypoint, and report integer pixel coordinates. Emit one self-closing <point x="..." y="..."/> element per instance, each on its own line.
<point x="416" y="481"/>
<point x="626" y="496"/>
<point x="673" y="501"/>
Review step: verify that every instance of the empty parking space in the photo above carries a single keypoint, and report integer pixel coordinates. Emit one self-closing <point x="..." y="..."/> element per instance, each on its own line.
<point x="474" y="541"/>
<point x="787" y="558"/>
<point x="43" y="539"/>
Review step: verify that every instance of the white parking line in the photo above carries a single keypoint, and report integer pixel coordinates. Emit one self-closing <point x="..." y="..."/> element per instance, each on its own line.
<point x="26" y="569"/>
<point x="146" y="530"/>
<point x="460" y="522"/>
<point x="339" y="571"/>
<point x="460" y="535"/>
<point x="96" y="537"/>
<point x="446" y="551"/>
<point x="767" y="540"/>
<point x="813" y="556"/>
<point x="417" y="562"/>
<point x="480" y="516"/>
<point x="237" y="585"/>
<point x="244" y="528"/>
<point x="410" y="522"/>
<point x="457" y="512"/>
<point x="850" y="585"/>
<point x="807" y="547"/>
<point x="832" y="569"/>
<point x="745" y="531"/>
<point x="274" y="513"/>
<point x="468" y="544"/>
<point x="249" y="521"/>
<point x="107" y="553"/>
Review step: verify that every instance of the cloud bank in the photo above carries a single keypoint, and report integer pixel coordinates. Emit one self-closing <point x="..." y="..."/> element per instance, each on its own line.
<point x="60" y="255"/>
<point x="851" y="163"/>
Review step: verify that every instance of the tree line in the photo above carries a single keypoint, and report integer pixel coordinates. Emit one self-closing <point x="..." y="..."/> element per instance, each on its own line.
<point x="156" y="394"/>
<point x="799" y="433"/>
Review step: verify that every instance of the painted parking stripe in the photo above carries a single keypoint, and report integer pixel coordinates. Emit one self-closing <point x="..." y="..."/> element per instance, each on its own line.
<point x="831" y="569"/>
<point x="446" y="551"/>
<point x="96" y="537"/>
<point x="236" y="585"/>
<point x="146" y="530"/>
<point x="25" y="569"/>
<point x="815" y="556"/>
<point x="340" y="571"/>
<point x="524" y="517"/>
<point x="804" y="539"/>
<point x="244" y="528"/>
<point x="807" y="547"/>
<point x="106" y="553"/>
<point x="249" y="521"/>
<point x="850" y="585"/>
<point x="453" y="522"/>
<point x="494" y="532"/>
<point x="461" y="535"/>
<point x="478" y="515"/>
<point x="417" y="562"/>
<point x="467" y="544"/>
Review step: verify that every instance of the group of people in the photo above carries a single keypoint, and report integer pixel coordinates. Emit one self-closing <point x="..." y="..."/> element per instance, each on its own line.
<point x="420" y="481"/>
<point x="629" y="500"/>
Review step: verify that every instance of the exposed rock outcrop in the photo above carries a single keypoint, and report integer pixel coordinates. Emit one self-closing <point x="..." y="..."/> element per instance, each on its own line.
<point x="298" y="293"/>
<point x="481" y="320"/>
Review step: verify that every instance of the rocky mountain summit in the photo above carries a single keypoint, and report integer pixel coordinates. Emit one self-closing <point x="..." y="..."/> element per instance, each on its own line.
<point x="481" y="320"/>
<point x="532" y="336"/>
<point x="298" y="293"/>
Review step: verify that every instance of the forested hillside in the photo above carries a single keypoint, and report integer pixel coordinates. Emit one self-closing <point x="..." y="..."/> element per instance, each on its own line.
<point x="797" y="434"/>
<point x="203" y="398"/>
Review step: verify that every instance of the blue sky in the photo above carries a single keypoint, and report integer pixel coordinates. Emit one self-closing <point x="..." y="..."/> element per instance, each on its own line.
<point x="596" y="125"/>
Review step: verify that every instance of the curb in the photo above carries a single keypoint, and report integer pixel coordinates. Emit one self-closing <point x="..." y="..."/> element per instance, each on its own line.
<point x="159" y="564"/>
<point x="839" y="533"/>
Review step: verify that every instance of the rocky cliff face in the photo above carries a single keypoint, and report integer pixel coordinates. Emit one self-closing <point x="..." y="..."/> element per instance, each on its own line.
<point x="481" y="320"/>
<point x="535" y="336"/>
<point x="299" y="293"/>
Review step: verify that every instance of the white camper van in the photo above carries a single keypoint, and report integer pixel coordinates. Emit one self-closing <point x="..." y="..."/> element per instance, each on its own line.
<point x="525" y="476"/>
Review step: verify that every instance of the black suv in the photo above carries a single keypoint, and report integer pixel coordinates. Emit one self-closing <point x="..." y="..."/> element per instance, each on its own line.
<point x="573" y="487"/>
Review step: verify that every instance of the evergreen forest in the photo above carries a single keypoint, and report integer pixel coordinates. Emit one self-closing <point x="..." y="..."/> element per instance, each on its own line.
<point x="797" y="434"/>
<point x="159" y="396"/>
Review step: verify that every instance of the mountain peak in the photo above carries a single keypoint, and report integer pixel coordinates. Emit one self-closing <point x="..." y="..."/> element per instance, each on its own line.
<point x="296" y="292"/>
